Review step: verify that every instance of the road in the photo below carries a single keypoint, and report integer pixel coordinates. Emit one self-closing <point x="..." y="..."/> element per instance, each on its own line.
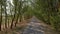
<point x="34" y="27"/>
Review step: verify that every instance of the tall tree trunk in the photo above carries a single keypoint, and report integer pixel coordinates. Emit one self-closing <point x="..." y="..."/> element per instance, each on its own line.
<point x="1" y="18"/>
<point x="16" y="20"/>
<point x="15" y="6"/>
<point x="5" y="16"/>
<point x="13" y="18"/>
<point x="8" y="23"/>
<point x="18" y="15"/>
<point x="1" y="15"/>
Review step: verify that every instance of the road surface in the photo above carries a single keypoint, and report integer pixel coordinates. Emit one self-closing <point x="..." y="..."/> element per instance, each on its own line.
<point x="34" y="27"/>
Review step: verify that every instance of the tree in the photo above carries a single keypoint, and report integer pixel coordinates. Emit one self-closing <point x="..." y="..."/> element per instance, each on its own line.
<point x="5" y="4"/>
<point x="48" y="11"/>
<point x="15" y="6"/>
<point x="1" y="14"/>
<point x="18" y="14"/>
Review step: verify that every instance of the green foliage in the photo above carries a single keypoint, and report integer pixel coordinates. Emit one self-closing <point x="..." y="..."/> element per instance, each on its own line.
<point x="29" y="13"/>
<point x="45" y="10"/>
<point x="48" y="12"/>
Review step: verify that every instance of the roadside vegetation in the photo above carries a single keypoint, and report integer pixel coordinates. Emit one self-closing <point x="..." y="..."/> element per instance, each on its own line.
<point x="13" y="12"/>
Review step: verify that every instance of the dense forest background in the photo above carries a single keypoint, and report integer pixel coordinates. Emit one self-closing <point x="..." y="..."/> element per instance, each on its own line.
<point x="14" y="11"/>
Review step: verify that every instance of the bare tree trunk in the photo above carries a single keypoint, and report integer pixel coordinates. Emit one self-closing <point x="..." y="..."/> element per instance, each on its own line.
<point x="15" y="5"/>
<point x="12" y="21"/>
<point x="13" y="18"/>
<point x="18" y="15"/>
<point x="5" y="18"/>
<point x="16" y="20"/>
<point x="8" y="22"/>
<point x="1" y="18"/>
<point x="1" y="14"/>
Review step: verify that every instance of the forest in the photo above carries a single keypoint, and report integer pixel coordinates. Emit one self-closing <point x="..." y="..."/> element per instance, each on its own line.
<point x="17" y="11"/>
